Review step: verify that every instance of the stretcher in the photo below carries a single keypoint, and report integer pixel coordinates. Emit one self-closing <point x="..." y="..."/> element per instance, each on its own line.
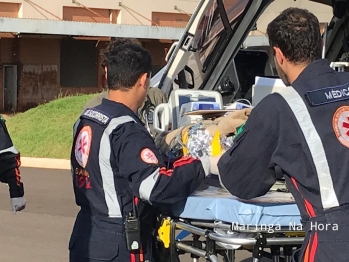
<point x="212" y="224"/>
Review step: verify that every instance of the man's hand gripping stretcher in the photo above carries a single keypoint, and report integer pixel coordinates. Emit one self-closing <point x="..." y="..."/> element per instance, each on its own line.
<point x="210" y="137"/>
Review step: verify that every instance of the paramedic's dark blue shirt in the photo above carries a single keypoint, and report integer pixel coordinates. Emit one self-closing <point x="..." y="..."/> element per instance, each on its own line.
<point x="123" y="162"/>
<point x="272" y="137"/>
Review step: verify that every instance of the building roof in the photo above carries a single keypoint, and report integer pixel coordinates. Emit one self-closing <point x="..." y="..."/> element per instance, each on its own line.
<point x="56" y="27"/>
<point x="85" y="29"/>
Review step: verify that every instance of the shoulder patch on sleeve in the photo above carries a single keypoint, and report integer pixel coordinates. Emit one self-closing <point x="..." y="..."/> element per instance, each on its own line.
<point x="83" y="145"/>
<point x="96" y="116"/>
<point x="340" y="124"/>
<point x="148" y="156"/>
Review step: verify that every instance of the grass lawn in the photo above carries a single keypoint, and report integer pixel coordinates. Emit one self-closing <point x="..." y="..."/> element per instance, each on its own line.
<point x="46" y="131"/>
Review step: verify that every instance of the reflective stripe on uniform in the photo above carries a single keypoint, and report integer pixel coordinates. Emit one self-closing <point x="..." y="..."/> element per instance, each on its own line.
<point x="11" y="149"/>
<point x="299" y="109"/>
<point x="107" y="174"/>
<point x="148" y="185"/>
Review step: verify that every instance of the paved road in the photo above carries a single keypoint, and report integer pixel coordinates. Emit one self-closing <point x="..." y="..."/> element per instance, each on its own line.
<point x="41" y="232"/>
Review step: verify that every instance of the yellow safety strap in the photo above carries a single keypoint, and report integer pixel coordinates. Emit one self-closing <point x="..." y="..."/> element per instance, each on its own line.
<point x="216" y="144"/>
<point x="185" y="141"/>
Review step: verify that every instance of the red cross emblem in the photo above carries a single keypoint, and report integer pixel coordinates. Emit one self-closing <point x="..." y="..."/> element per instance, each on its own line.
<point x="346" y="125"/>
<point x="148" y="156"/>
<point x="340" y="124"/>
<point x="82" y="146"/>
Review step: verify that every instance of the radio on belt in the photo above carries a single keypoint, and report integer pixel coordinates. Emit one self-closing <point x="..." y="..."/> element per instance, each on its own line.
<point x="133" y="233"/>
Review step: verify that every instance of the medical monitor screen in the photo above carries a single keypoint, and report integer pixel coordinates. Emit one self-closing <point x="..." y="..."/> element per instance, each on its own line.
<point x="206" y="107"/>
<point x="186" y="99"/>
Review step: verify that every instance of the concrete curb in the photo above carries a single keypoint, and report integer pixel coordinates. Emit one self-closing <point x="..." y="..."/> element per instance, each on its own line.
<point x="45" y="163"/>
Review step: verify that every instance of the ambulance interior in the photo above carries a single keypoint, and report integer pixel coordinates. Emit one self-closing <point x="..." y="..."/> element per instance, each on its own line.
<point x="209" y="58"/>
<point x="210" y="55"/>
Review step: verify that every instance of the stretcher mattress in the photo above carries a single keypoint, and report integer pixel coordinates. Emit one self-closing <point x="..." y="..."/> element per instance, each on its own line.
<point x="214" y="203"/>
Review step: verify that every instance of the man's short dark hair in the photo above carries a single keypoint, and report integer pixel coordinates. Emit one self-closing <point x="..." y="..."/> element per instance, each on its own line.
<point x="297" y="33"/>
<point x="112" y="44"/>
<point x="126" y="63"/>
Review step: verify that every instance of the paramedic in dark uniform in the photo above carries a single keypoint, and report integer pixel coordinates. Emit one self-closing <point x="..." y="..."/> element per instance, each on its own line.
<point x="9" y="169"/>
<point x="304" y="130"/>
<point x="118" y="174"/>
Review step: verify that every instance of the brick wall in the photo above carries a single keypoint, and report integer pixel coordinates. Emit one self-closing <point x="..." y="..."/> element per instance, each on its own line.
<point x="157" y="50"/>
<point x="38" y="78"/>
<point x="38" y="65"/>
<point x="40" y="73"/>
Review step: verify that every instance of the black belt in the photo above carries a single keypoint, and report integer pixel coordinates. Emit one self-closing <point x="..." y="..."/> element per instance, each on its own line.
<point x="329" y="218"/>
